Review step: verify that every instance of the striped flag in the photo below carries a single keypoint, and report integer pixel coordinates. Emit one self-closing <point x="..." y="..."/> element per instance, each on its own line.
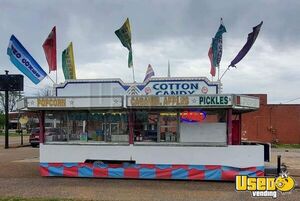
<point x="149" y="73"/>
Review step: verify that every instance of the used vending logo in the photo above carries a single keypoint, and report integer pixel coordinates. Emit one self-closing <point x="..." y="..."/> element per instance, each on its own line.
<point x="265" y="186"/>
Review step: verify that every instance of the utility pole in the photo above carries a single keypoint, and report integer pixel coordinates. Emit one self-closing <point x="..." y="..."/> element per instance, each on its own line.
<point x="6" y="115"/>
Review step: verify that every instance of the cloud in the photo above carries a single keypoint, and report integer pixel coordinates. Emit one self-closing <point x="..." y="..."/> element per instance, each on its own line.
<point x="179" y="31"/>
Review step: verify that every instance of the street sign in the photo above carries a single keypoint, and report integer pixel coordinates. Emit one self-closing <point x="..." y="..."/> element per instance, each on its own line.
<point x="23" y="120"/>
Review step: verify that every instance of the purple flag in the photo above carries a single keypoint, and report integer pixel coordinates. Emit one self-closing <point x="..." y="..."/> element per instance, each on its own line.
<point x="250" y="41"/>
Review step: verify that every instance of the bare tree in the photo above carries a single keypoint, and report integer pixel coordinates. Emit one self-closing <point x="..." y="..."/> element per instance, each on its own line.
<point x="47" y="91"/>
<point x="13" y="97"/>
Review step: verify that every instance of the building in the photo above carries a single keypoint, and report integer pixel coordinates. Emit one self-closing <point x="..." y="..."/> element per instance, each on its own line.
<point x="274" y="123"/>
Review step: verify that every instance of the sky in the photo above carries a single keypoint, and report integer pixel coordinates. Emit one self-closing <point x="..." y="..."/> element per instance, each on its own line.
<point x="176" y="30"/>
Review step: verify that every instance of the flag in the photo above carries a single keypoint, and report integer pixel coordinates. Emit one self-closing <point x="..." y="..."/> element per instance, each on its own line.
<point x="68" y="64"/>
<point x="217" y="45"/>
<point x="49" y="47"/>
<point x="215" y="49"/>
<point x="250" y="41"/>
<point x="21" y="58"/>
<point x="212" y="67"/>
<point x="149" y="73"/>
<point x="124" y="34"/>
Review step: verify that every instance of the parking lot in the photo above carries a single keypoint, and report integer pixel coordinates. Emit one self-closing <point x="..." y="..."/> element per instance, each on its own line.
<point x="19" y="177"/>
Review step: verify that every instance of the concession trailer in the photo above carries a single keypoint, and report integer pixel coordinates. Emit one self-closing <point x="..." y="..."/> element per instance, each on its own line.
<point x="164" y="128"/>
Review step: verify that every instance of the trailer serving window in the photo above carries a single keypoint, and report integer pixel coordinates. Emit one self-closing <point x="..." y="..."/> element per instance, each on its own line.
<point x="207" y="127"/>
<point x="156" y="126"/>
<point x="186" y="126"/>
<point x="87" y="126"/>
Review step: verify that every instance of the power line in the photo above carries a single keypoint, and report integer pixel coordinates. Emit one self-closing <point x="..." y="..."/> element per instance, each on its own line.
<point x="292" y="100"/>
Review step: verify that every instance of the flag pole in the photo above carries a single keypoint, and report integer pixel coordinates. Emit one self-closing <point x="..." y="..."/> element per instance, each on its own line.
<point x="133" y="74"/>
<point x="221" y="22"/>
<point x="169" y="70"/>
<point x="224" y="72"/>
<point x="56" y="76"/>
<point x="50" y="79"/>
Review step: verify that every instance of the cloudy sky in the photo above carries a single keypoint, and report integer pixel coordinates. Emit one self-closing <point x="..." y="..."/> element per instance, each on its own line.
<point x="162" y="30"/>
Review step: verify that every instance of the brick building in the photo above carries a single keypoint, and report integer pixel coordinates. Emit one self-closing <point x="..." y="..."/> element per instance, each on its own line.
<point x="276" y="123"/>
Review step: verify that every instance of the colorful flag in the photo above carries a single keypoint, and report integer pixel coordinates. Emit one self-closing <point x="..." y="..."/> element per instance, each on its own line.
<point x="49" y="47"/>
<point x="124" y="34"/>
<point x="212" y="67"/>
<point x="250" y="41"/>
<point x="215" y="50"/>
<point x="149" y="73"/>
<point x="21" y="58"/>
<point x="68" y="64"/>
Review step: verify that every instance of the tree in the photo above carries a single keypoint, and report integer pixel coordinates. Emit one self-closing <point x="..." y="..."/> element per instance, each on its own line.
<point x="2" y="120"/>
<point x="47" y="91"/>
<point x="13" y="97"/>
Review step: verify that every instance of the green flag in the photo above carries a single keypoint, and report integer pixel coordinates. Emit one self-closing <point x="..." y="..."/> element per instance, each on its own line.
<point x="124" y="34"/>
<point x="217" y="45"/>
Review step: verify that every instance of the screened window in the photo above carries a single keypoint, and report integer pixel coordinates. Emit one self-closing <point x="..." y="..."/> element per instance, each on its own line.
<point x="85" y="126"/>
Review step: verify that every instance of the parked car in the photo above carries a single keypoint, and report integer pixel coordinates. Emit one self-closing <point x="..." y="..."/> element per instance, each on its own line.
<point x="34" y="137"/>
<point x="51" y="134"/>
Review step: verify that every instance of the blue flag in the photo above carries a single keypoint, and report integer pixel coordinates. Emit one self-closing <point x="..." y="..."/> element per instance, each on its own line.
<point x="20" y="57"/>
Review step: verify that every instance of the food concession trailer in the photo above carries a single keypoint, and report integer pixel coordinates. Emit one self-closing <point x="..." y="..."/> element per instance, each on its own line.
<point x="165" y="128"/>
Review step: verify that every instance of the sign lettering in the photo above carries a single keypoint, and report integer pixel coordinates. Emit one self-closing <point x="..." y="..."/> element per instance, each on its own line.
<point x="159" y="101"/>
<point x="214" y="100"/>
<point x="51" y="102"/>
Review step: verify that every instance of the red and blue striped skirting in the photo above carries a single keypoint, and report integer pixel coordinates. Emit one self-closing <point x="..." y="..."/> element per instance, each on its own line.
<point x="148" y="171"/>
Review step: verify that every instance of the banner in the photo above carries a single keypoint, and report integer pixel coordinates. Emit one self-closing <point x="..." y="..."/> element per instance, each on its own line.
<point x="149" y="73"/>
<point x="49" y="47"/>
<point x="217" y="45"/>
<point x="68" y="64"/>
<point x="124" y="34"/>
<point x="20" y="57"/>
<point x="212" y="67"/>
<point x="215" y="49"/>
<point x="250" y="41"/>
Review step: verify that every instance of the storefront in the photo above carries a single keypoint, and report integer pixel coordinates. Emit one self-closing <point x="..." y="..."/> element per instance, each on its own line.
<point x="167" y="128"/>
